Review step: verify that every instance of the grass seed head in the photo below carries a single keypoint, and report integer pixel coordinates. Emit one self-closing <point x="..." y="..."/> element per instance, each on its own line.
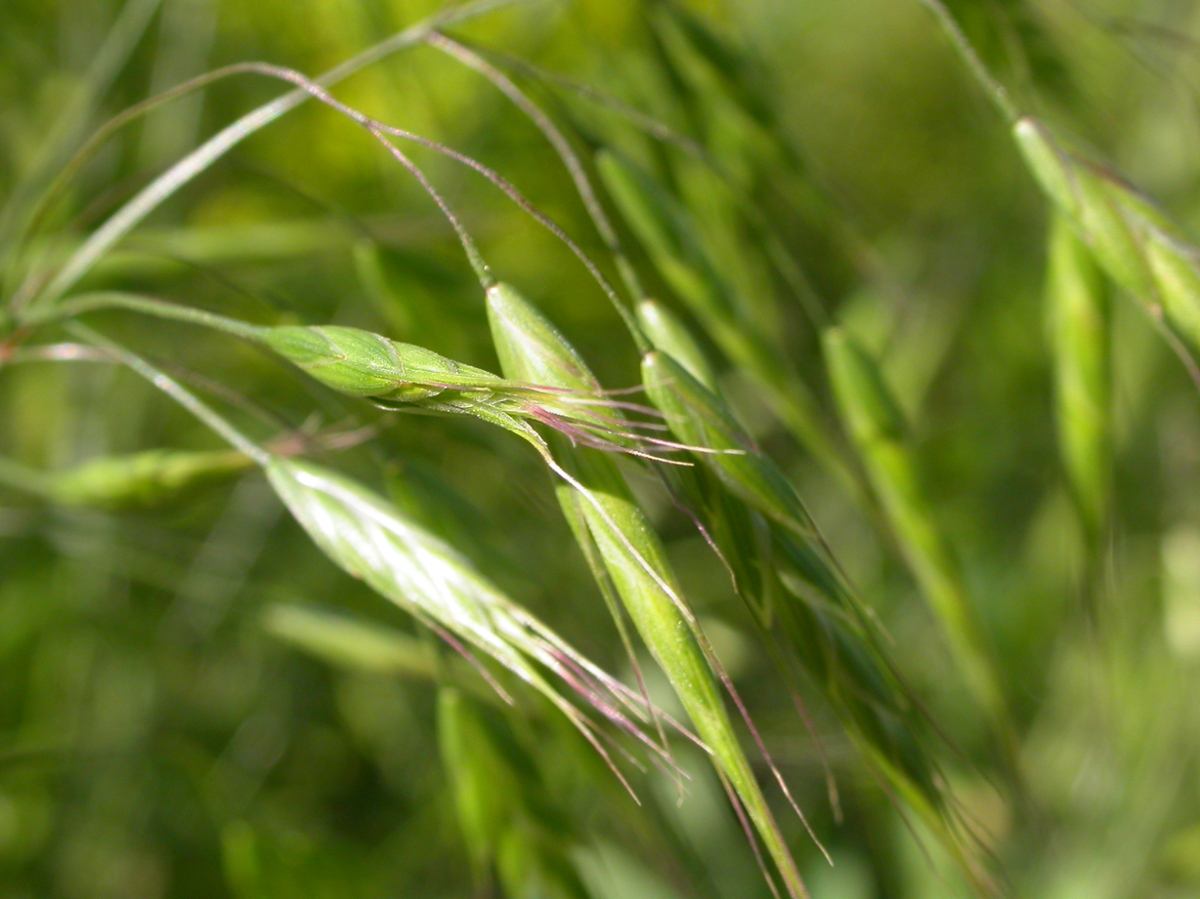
<point x="1133" y="241"/>
<point x="372" y="540"/>
<point x="530" y="348"/>
<point x="362" y="363"/>
<point x="1077" y="304"/>
<point x="637" y="564"/>
<point x="143" y="480"/>
<point x="669" y="334"/>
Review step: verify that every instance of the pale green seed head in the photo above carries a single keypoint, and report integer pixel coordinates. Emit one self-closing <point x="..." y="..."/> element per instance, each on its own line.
<point x="347" y="359"/>
<point x="1111" y="233"/>
<point x="1107" y="212"/>
<point x="669" y="334"/>
<point x="1177" y="276"/>
<point x="1049" y="162"/>
<point x="362" y="363"/>
<point x="143" y="480"/>
<point x="530" y="348"/>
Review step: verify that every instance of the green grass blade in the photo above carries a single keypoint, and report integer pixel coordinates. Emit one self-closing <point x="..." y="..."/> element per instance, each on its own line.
<point x="200" y="159"/>
<point x="112" y="55"/>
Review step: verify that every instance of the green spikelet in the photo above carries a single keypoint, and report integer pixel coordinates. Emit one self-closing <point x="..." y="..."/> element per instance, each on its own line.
<point x="672" y="336"/>
<point x="530" y="348"/>
<point x="1134" y="243"/>
<point x="877" y="428"/>
<point x="138" y="481"/>
<point x="1078" y="310"/>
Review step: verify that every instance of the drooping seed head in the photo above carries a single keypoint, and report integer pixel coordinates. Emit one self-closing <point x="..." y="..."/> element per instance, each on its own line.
<point x="530" y="348"/>
<point x="1077" y="304"/>
<point x="1176" y="270"/>
<point x="699" y="418"/>
<point x="1049" y="163"/>
<point x="144" y="479"/>
<point x="672" y="336"/>
<point x="362" y="363"/>
<point x="1132" y="240"/>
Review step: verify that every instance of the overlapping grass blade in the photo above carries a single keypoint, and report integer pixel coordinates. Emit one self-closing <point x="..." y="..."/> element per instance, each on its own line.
<point x="111" y="56"/>
<point x="826" y="629"/>
<point x="504" y="811"/>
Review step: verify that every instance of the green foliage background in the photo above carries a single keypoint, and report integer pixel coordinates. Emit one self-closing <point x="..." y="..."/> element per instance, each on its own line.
<point x="179" y="715"/>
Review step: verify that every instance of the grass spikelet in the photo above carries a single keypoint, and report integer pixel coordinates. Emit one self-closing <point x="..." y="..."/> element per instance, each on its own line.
<point x="699" y="418"/>
<point x="530" y="348"/>
<point x="829" y="637"/>
<point x="142" y="480"/>
<point x="1078" y="311"/>
<point x="397" y="376"/>
<point x="877" y="428"/>
<point x="672" y="336"/>
<point x="506" y="817"/>
<point x="1133" y="242"/>
<point x="371" y="540"/>
<point x="677" y="254"/>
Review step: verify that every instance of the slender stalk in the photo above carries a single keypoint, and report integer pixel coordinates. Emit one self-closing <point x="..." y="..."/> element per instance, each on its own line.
<point x="150" y="197"/>
<point x="175" y="390"/>
<point x="92" y="302"/>
<point x="996" y="91"/>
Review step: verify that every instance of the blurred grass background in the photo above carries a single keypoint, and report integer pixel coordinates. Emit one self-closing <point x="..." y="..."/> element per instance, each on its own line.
<point x="167" y="730"/>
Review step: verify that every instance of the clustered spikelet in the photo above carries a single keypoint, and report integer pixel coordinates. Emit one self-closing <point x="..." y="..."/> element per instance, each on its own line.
<point x="1135" y="244"/>
<point x="396" y="375"/>
<point x="531" y="348"/>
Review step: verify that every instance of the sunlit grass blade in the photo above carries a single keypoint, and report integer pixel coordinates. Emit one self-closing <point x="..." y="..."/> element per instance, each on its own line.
<point x="1078" y="311"/>
<point x="111" y="56"/>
